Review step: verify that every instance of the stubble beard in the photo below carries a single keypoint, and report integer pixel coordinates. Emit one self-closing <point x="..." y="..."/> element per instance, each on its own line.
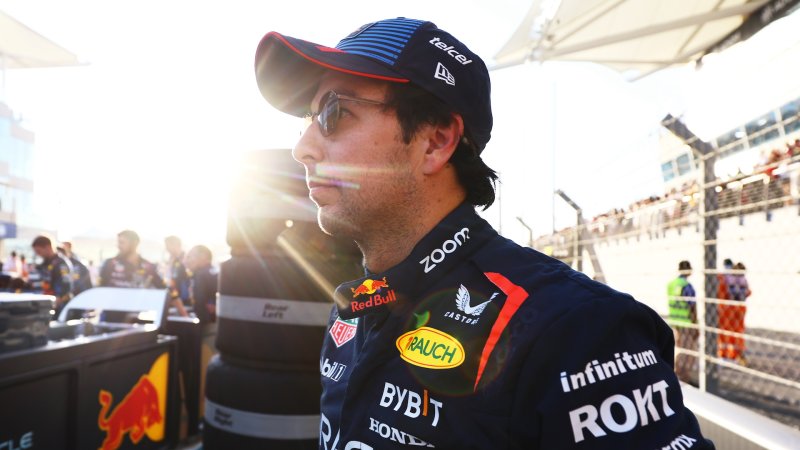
<point x="374" y="216"/>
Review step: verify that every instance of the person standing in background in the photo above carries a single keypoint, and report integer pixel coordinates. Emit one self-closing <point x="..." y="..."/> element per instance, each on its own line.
<point x="55" y="272"/>
<point x="177" y="276"/>
<point x="724" y="279"/>
<point x="203" y="283"/>
<point x="81" y="279"/>
<point x="683" y="317"/>
<point x="12" y="263"/>
<point x="128" y="269"/>
<point x="732" y="316"/>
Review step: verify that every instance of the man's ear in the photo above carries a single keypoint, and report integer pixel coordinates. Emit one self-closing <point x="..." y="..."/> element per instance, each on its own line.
<point x="442" y="141"/>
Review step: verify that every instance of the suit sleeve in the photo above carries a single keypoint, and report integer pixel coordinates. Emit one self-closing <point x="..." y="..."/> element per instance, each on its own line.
<point x="61" y="279"/>
<point x="156" y="281"/>
<point x="601" y="377"/>
<point x="205" y="293"/>
<point x="206" y="290"/>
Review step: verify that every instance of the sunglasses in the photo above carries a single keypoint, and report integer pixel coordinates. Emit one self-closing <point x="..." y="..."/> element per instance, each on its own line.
<point x="329" y="111"/>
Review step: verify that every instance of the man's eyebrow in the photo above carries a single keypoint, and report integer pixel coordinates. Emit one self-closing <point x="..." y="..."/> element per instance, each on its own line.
<point x="345" y="91"/>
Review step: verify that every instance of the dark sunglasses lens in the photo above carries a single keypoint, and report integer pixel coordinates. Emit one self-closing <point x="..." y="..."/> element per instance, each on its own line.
<point x="328" y="113"/>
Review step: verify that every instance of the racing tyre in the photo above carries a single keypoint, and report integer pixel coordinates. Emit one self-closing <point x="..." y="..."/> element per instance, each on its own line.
<point x="258" y="409"/>
<point x="270" y="312"/>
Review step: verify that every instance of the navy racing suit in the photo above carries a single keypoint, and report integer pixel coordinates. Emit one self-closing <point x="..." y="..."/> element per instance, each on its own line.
<point x="56" y="280"/>
<point x="119" y="272"/>
<point x="473" y="342"/>
<point x="81" y="278"/>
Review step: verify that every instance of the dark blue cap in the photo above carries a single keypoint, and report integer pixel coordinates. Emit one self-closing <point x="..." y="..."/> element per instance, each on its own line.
<point x="288" y="70"/>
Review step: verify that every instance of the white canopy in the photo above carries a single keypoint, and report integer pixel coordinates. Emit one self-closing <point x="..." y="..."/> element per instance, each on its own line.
<point x="22" y="47"/>
<point x="642" y="35"/>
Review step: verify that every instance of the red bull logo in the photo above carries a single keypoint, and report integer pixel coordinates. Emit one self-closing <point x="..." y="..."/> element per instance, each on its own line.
<point x="374" y="300"/>
<point x="369" y="287"/>
<point x="141" y="412"/>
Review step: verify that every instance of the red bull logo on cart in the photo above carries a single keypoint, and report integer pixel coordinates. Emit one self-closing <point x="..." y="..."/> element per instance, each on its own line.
<point x="141" y="412"/>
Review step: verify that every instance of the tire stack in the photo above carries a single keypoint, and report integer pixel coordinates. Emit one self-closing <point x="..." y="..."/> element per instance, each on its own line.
<point x="263" y="389"/>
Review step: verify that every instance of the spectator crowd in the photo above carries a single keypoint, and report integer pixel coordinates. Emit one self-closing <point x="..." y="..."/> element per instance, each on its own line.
<point x="679" y="207"/>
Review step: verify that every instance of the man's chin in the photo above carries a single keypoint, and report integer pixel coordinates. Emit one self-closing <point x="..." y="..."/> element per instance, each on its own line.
<point x="332" y="222"/>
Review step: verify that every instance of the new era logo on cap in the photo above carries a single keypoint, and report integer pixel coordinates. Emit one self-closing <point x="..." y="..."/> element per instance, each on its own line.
<point x="443" y="74"/>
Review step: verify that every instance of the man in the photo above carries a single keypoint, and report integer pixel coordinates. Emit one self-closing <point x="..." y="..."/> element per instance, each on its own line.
<point x="177" y="277"/>
<point x="81" y="278"/>
<point x="730" y="315"/>
<point x="682" y="314"/>
<point x="55" y="273"/>
<point x="203" y="283"/>
<point x="12" y="264"/>
<point x="456" y="337"/>
<point x="128" y="269"/>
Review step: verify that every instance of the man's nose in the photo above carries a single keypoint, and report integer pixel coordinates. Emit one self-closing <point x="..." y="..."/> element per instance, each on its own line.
<point x="308" y="151"/>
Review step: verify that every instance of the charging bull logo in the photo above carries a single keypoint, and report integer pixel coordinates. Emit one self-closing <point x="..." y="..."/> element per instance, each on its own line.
<point x="369" y="287"/>
<point x="140" y="412"/>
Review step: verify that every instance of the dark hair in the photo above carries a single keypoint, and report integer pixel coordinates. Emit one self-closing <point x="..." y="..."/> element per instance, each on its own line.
<point x="416" y="107"/>
<point x="203" y="250"/>
<point x="129" y="235"/>
<point x="42" y="241"/>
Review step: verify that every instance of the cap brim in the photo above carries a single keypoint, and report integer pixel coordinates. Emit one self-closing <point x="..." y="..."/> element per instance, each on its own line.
<point x="288" y="70"/>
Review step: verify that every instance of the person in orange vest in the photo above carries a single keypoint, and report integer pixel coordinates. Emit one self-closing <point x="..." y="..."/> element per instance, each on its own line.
<point x="732" y="317"/>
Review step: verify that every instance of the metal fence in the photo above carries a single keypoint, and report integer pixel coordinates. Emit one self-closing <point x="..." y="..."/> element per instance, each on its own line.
<point x="742" y="338"/>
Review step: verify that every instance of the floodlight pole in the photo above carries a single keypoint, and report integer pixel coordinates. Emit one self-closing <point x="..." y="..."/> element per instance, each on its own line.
<point x="578" y="250"/>
<point x="704" y="152"/>
<point x="583" y="240"/>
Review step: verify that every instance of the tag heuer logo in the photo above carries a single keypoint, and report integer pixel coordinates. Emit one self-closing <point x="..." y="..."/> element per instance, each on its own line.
<point x="342" y="331"/>
<point x="443" y="74"/>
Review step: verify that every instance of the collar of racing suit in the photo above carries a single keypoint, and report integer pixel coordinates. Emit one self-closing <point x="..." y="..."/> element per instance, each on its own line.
<point x="456" y="238"/>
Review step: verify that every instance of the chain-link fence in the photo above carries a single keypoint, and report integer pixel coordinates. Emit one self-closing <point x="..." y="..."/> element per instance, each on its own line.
<point x="719" y="258"/>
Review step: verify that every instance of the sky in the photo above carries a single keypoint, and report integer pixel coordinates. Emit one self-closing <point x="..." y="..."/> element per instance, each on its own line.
<point x="146" y="132"/>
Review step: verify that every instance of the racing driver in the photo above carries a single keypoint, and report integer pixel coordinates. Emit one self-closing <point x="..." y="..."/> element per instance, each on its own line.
<point x="455" y="337"/>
